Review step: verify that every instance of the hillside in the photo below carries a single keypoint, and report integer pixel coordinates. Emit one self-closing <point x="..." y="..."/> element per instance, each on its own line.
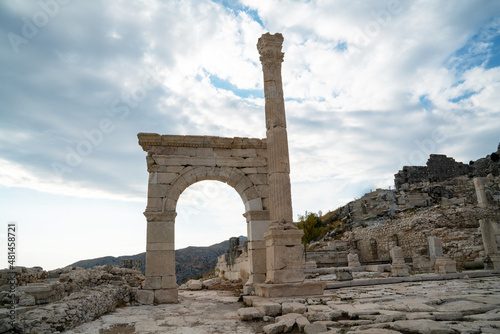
<point x="434" y="200"/>
<point x="189" y="262"/>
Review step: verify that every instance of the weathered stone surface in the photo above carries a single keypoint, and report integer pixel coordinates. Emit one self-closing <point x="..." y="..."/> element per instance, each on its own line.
<point x="315" y="328"/>
<point x="270" y="309"/>
<point x="194" y="285"/>
<point x="274" y="328"/>
<point x="145" y="297"/>
<point x="293" y="308"/>
<point x="422" y="327"/>
<point x="321" y="313"/>
<point x="249" y="313"/>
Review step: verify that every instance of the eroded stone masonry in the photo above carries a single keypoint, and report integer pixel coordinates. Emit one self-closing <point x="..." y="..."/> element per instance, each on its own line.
<point x="258" y="169"/>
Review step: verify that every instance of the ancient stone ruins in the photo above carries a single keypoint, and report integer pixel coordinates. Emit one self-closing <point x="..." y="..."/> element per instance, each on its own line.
<point x="258" y="169"/>
<point x="421" y="258"/>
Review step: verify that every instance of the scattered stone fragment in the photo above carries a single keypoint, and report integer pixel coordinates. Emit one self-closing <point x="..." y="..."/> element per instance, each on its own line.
<point x="274" y="328"/>
<point x="293" y="308"/>
<point x="321" y="312"/>
<point x="422" y="326"/>
<point x="194" y="284"/>
<point x="249" y="313"/>
<point x="315" y="328"/>
<point x="270" y="309"/>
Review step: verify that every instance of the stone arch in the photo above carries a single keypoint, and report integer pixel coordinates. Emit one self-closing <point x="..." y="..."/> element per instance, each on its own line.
<point x="177" y="162"/>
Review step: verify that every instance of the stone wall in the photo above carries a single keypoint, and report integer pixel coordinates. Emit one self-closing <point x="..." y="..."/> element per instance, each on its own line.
<point x="234" y="265"/>
<point x="61" y="299"/>
<point x="439" y="168"/>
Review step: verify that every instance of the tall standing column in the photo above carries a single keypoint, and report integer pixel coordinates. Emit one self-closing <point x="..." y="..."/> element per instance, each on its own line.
<point x="269" y="47"/>
<point x="284" y="250"/>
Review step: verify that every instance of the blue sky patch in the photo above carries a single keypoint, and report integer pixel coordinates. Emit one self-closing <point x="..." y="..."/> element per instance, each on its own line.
<point x="244" y="93"/>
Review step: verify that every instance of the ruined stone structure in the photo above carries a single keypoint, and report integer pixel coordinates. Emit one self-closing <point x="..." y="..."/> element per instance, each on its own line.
<point x="258" y="169"/>
<point x="439" y="168"/>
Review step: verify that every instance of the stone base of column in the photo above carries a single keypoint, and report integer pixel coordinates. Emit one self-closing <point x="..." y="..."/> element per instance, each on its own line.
<point x="445" y="265"/>
<point x="400" y="270"/>
<point x="284" y="256"/>
<point x="167" y="296"/>
<point x="495" y="260"/>
<point x="290" y="289"/>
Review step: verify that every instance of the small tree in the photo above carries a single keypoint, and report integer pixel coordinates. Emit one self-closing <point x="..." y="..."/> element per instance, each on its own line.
<point x="312" y="226"/>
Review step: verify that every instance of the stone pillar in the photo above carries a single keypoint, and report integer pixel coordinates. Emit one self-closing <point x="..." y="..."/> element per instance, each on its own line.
<point x="257" y="225"/>
<point x="482" y="200"/>
<point x="488" y="230"/>
<point x="398" y="267"/>
<point x="353" y="260"/>
<point x="435" y="248"/>
<point x="283" y="240"/>
<point x="160" y="257"/>
<point x="269" y="47"/>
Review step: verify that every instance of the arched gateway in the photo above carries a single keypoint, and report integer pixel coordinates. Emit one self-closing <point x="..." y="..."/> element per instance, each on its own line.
<point x="175" y="163"/>
<point x="258" y="169"/>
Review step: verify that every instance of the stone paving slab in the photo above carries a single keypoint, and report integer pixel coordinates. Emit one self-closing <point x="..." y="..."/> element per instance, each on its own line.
<point x="469" y="305"/>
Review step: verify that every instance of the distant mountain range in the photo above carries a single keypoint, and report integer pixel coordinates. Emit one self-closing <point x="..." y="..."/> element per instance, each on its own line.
<point x="190" y="262"/>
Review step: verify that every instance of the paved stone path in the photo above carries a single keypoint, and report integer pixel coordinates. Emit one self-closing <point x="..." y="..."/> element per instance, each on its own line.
<point x="466" y="305"/>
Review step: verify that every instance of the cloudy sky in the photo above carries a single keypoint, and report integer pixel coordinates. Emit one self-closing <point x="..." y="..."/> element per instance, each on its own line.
<point x="369" y="86"/>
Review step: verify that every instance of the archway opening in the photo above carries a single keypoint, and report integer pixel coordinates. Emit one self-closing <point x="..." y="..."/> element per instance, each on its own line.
<point x="208" y="213"/>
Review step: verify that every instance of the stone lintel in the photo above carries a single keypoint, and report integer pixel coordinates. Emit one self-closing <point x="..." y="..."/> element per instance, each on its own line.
<point x="148" y="140"/>
<point x="290" y="289"/>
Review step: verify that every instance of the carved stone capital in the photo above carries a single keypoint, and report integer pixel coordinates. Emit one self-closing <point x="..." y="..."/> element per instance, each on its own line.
<point x="164" y="216"/>
<point x="269" y="47"/>
<point x="261" y="215"/>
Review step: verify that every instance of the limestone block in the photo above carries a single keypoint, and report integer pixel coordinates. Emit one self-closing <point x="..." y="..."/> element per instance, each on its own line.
<point x="244" y="152"/>
<point x="160" y="246"/>
<point x="152" y="283"/>
<point x="174" y="169"/>
<point x="173" y="193"/>
<point x="258" y="178"/>
<point x="263" y="190"/>
<point x="160" y="263"/>
<point x="194" y="285"/>
<point x="201" y="173"/>
<point x="222" y="152"/>
<point x="180" y="183"/>
<point x="234" y="177"/>
<point x="168" y="282"/>
<point x="249" y="194"/>
<point x="397" y="255"/>
<point x="353" y="260"/>
<point x="169" y="204"/>
<point x="167" y="296"/>
<point x="343" y="274"/>
<point x="289" y="289"/>
<point x="145" y="297"/>
<point x="298" y="308"/>
<point x="315" y="328"/>
<point x="274" y="328"/>
<point x="400" y="270"/>
<point x="302" y="322"/>
<point x="157" y="190"/>
<point x="445" y="265"/>
<point x="321" y="313"/>
<point x="187" y="151"/>
<point x="283" y="237"/>
<point x="278" y="161"/>
<point x="270" y="309"/>
<point x="154" y="204"/>
<point x="224" y="173"/>
<point x="249" y="170"/>
<point x="162" y="232"/>
<point x="166" y="178"/>
<point x="243" y="184"/>
<point x="240" y="162"/>
<point x="153" y="178"/>
<point x="249" y="313"/>
<point x="205" y="152"/>
<point x="285" y="276"/>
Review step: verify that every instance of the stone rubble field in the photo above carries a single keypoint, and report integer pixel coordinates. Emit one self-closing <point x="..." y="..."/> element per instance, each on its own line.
<point x="433" y="307"/>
